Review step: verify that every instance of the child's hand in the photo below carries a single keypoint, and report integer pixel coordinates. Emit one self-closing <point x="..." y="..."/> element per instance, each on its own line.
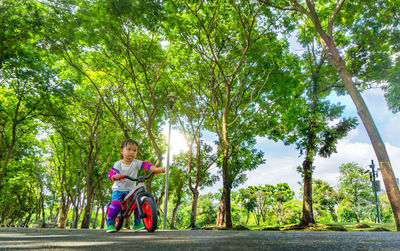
<point x="116" y="177"/>
<point x="159" y="170"/>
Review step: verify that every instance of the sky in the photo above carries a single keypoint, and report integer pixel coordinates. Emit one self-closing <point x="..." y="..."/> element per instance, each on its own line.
<point x="281" y="160"/>
<point x="355" y="147"/>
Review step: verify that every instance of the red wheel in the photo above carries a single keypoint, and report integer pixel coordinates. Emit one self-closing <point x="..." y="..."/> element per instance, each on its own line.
<point x="150" y="209"/>
<point x="119" y="221"/>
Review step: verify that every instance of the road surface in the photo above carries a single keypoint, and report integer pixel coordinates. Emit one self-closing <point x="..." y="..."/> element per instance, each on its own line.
<point x="85" y="239"/>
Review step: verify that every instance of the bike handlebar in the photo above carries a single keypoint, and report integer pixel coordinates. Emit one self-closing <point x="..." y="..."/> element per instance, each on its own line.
<point x="140" y="178"/>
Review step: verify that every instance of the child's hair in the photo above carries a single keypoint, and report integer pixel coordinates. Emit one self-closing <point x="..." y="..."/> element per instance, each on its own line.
<point x="128" y="142"/>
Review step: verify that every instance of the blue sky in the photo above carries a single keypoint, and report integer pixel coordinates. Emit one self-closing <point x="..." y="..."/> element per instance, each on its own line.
<point x="355" y="147"/>
<point x="281" y="160"/>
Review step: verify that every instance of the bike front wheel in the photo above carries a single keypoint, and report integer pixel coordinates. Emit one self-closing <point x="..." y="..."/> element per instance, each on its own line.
<point x="119" y="222"/>
<point x="149" y="207"/>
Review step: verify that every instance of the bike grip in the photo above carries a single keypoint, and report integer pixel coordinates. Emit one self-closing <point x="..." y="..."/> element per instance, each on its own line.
<point x="122" y="177"/>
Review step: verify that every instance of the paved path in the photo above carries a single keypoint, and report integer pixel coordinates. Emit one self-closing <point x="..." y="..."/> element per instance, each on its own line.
<point x="64" y="239"/>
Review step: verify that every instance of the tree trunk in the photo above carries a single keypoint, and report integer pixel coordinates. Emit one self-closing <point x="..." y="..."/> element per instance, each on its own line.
<point x="95" y="218"/>
<point x="64" y="214"/>
<point x="307" y="212"/>
<point x="221" y="211"/>
<point x="227" y="191"/>
<point x="28" y="219"/>
<point x="52" y="206"/>
<point x="193" y="215"/>
<point x="80" y="210"/>
<point x="174" y="213"/>
<point x="103" y="216"/>
<point x="357" y="218"/>
<point x="307" y="215"/>
<point x="59" y="215"/>
<point x="88" y="209"/>
<point x="388" y="177"/>
<point x="4" y="168"/>
<point x="337" y="62"/>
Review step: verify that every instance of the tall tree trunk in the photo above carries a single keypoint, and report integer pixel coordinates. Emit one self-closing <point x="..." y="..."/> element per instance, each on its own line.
<point x="64" y="214"/>
<point x="43" y="213"/>
<point x="95" y="218"/>
<point x="307" y="215"/>
<point x="193" y="215"/>
<point x="178" y="203"/>
<point x="221" y="211"/>
<point x="52" y="206"/>
<point x="28" y="219"/>
<point x="79" y="210"/>
<point x="10" y="148"/>
<point x="4" y="167"/>
<point x="227" y="191"/>
<point x="337" y="62"/>
<point x="388" y="176"/>
<point x="357" y="217"/>
<point x="103" y="216"/>
<point x="307" y="212"/>
<point x="88" y="209"/>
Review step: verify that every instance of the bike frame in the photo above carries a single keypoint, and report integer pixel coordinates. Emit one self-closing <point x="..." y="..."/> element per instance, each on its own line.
<point x="133" y="199"/>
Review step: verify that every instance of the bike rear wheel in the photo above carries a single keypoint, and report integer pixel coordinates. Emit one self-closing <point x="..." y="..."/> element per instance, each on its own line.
<point x="149" y="207"/>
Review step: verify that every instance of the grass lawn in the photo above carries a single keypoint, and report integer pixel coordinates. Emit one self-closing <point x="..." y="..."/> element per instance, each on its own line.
<point x="353" y="227"/>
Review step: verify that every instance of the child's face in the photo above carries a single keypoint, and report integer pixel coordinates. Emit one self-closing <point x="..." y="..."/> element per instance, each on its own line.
<point x="129" y="152"/>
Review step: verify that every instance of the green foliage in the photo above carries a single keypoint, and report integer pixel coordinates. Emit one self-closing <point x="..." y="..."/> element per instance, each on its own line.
<point x="385" y="209"/>
<point x="325" y="199"/>
<point x="77" y="77"/>
<point x="267" y="201"/>
<point x="207" y="212"/>
<point x="355" y="192"/>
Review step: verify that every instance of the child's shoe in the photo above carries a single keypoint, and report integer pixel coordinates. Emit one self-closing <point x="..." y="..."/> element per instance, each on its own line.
<point x="139" y="227"/>
<point x="111" y="229"/>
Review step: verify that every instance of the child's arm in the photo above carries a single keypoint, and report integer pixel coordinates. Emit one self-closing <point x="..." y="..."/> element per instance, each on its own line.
<point x="113" y="174"/>
<point x="150" y="167"/>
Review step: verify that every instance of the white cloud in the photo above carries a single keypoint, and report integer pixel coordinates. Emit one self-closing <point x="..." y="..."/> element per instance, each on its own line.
<point x="282" y="168"/>
<point x="281" y="160"/>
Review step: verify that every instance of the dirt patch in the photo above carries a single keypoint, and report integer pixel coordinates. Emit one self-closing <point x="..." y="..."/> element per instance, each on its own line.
<point x="380" y="229"/>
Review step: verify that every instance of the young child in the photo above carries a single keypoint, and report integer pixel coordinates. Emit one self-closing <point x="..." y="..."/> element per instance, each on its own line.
<point x="128" y="165"/>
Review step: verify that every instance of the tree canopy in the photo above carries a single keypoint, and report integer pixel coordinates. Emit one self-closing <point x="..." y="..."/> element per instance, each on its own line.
<point x="78" y="77"/>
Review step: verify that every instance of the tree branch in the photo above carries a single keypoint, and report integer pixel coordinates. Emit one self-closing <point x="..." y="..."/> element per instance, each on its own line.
<point x="333" y="17"/>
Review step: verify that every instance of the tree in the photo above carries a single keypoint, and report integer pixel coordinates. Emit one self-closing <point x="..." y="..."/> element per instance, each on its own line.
<point x="269" y="200"/>
<point x="177" y="183"/>
<point x="325" y="199"/>
<point x="246" y="201"/>
<point x="28" y="79"/>
<point x="243" y="157"/>
<point x="355" y="188"/>
<point x="351" y="22"/>
<point x="206" y="210"/>
<point x="125" y="62"/>
<point x="20" y="197"/>
<point x="228" y="37"/>
<point x="314" y="133"/>
<point x="20" y="25"/>
<point x="282" y="194"/>
<point x="191" y="110"/>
